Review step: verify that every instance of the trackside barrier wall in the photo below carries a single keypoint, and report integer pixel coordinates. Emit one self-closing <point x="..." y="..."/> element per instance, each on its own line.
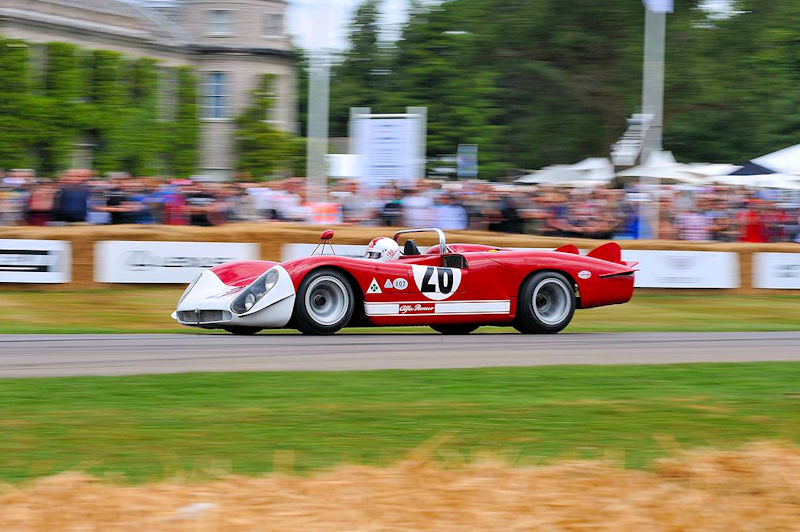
<point x="782" y="271"/>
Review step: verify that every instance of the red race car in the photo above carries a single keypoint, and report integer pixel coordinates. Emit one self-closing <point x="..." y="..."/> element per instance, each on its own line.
<point x="453" y="288"/>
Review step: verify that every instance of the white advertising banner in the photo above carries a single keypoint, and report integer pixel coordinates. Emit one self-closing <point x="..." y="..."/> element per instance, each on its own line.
<point x="297" y="251"/>
<point x="163" y="262"/>
<point x="388" y="150"/>
<point x="684" y="269"/>
<point x="35" y="261"/>
<point x="776" y="270"/>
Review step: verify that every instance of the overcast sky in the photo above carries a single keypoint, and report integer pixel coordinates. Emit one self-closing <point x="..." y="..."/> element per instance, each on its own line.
<point x="323" y="23"/>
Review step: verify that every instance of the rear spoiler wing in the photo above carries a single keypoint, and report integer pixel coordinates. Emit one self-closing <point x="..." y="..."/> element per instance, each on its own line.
<point x="609" y="251"/>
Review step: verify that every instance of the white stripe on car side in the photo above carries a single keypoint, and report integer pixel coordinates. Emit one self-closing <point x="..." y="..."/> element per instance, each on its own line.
<point x="440" y="308"/>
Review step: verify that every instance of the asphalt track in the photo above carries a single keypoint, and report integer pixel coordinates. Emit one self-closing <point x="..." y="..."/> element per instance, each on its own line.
<point x="67" y="355"/>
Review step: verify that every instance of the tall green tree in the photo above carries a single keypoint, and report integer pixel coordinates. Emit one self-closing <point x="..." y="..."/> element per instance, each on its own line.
<point x="437" y="65"/>
<point x="17" y="130"/>
<point x="261" y="150"/>
<point x="60" y="109"/>
<point x="139" y="144"/>
<point x="183" y="132"/>
<point x="536" y="82"/>
<point x="361" y="75"/>
<point x="106" y="94"/>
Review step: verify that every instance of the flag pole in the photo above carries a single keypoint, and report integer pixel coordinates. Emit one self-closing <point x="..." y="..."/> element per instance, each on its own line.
<point x="653" y="98"/>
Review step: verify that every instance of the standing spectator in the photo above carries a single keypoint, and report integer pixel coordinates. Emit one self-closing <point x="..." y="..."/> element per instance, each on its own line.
<point x="41" y="203"/>
<point x="449" y="214"/>
<point x="693" y="225"/>
<point x="417" y="208"/>
<point x="98" y="215"/>
<point x="73" y="201"/>
<point x="13" y="199"/>
<point x="117" y="204"/>
<point x="263" y="202"/>
<point x="200" y="204"/>
<point x="392" y="212"/>
<point x="752" y="223"/>
<point x="174" y="209"/>
<point x="241" y="205"/>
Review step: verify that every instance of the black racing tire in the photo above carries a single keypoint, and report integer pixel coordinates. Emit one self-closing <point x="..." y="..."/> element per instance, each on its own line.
<point x="455" y="328"/>
<point x="239" y="330"/>
<point x="324" y="302"/>
<point x="546" y="304"/>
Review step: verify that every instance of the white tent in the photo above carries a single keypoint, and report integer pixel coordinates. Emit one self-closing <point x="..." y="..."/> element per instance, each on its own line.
<point x="786" y="160"/>
<point x="782" y="181"/>
<point x="549" y="175"/>
<point x="595" y="169"/>
<point x="663" y="166"/>
<point x="589" y="172"/>
<point x="712" y="169"/>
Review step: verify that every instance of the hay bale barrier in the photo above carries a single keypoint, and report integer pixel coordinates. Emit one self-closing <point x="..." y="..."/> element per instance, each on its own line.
<point x="271" y="237"/>
<point x="754" y="488"/>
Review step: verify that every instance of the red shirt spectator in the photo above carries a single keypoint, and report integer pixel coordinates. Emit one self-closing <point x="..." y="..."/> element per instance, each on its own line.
<point x="752" y="223"/>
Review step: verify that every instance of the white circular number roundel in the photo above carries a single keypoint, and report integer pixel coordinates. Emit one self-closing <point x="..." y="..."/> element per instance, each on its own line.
<point x="436" y="283"/>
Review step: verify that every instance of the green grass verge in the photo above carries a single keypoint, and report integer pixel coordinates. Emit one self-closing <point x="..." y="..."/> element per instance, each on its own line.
<point x="151" y="427"/>
<point x="136" y="310"/>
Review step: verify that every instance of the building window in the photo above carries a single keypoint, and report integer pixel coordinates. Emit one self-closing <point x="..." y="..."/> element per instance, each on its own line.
<point x="273" y="24"/>
<point x="220" y="22"/>
<point x="216" y="95"/>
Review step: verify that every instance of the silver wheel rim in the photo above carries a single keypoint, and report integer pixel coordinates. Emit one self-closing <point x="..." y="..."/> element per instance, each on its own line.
<point x="326" y="300"/>
<point x="551" y="301"/>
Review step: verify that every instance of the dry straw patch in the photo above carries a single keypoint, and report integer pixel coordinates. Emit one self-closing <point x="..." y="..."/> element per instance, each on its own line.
<point x="756" y="488"/>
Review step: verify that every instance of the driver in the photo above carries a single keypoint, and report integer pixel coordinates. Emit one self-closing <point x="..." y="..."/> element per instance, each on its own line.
<point x="382" y="249"/>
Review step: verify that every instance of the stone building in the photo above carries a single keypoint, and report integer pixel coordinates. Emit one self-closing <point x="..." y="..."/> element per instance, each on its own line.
<point x="229" y="43"/>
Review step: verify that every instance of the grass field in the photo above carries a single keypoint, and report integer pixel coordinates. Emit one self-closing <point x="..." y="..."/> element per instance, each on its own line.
<point x="134" y="310"/>
<point x="151" y="427"/>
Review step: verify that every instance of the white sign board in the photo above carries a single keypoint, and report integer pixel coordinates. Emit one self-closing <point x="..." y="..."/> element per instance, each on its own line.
<point x="388" y="150"/>
<point x="163" y="262"/>
<point x="684" y="269"/>
<point x="35" y="261"/>
<point x="298" y="251"/>
<point x="776" y="270"/>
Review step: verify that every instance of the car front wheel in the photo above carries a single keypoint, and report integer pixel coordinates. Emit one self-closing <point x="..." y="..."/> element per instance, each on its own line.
<point x="546" y="304"/>
<point x="324" y="302"/>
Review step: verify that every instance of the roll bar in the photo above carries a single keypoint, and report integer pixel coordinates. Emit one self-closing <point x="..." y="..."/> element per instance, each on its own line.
<point x="442" y="244"/>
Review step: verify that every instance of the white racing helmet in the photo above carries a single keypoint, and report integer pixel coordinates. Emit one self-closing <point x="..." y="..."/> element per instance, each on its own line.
<point x="382" y="249"/>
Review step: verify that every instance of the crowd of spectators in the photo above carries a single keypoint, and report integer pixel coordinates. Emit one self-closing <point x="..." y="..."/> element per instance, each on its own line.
<point x="727" y="214"/>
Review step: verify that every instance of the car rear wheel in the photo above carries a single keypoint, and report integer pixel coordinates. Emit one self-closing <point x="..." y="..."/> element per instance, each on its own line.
<point x="546" y="304"/>
<point x="243" y="331"/>
<point x="324" y="302"/>
<point x="454" y="328"/>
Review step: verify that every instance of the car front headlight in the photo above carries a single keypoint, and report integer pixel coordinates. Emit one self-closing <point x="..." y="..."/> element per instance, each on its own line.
<point x="253" y="293"/>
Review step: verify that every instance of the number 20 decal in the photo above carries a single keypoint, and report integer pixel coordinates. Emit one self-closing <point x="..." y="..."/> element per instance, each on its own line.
<point x="436" y="283"/>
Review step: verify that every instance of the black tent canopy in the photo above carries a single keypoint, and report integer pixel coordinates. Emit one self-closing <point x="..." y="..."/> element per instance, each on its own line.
<point x="751" y="168"/>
